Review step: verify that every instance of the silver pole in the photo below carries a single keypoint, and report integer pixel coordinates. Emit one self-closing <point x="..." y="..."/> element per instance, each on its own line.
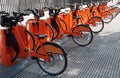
<point x="81" y="2"/>
<point x="91" y="1"/>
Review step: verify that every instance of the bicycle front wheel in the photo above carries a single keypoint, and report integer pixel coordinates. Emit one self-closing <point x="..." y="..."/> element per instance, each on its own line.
<point x="96" y="24"/>
<point x="58" y="62"/>
<point x="85" y="35"/>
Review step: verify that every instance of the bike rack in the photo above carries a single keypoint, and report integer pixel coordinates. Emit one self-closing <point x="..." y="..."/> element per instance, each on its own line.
<point x="6" y="53"/>
<point x="69" y="20"/>
<point x="19" y="33"/>
<point x="5" y="56"/>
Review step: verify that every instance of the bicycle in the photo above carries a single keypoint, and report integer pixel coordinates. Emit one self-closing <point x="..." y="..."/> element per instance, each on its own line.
<point x="80" y="33"/>
<point x="106" y="15"/>
<point x="95" y="23"/>
<point x="45" y="53"/>
<point x="104" y="7"/>
<point x="11" y="41"/>
<point x="40" y="26"/>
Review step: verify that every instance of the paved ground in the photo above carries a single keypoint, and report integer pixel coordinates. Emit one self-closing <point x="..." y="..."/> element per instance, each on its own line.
<point x="100" y="59"/>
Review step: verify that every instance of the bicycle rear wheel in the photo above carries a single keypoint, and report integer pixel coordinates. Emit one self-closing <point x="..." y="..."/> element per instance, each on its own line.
<point x="63" y="24"/>
<point x="48" y="30"/>
<point x="58" y="62"/>
<point x="85" y="37"/>
<point x="107" y="17"/>
<point x="29" y="39"/>
<point x="96" y="24"/>
<point x="56" y="28"/>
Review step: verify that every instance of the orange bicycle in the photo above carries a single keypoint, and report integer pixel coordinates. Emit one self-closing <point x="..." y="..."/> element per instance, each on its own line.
<point x="80" y="33"/>
<point x="94" y="22"/>
<point x="50" y="56"/>
<point x="112" y="9"/>
<point x="105" y="15"/>
<point x="41" y="26"/>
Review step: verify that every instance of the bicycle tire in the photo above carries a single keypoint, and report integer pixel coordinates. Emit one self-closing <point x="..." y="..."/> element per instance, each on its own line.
<point x="108" y="17"/>
<point x="43" y="64"/>
<point x="82" y="29"/>
<point x="12" y="41"/>
<point x="114" y="14"/>
<point x="50" y="34"/>
<point x="65" y="25"/>
<point x="30" y="44"/>
<point x="99" y="24"/>
<point x="56" y="29"/>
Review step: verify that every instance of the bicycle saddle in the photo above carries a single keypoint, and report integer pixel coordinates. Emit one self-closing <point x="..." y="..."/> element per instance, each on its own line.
<point x="41" y="36"/>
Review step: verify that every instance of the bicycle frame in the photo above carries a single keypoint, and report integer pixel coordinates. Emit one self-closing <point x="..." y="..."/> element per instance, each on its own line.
<point x="99" y="12"/>
<point x="58" y="18"/>
<point x="73" y="24"/>
<point x="39" y="26"/>
<point x="19" y="33"/>
<point x="104" y="7"/>
<point x="43" y="51"/>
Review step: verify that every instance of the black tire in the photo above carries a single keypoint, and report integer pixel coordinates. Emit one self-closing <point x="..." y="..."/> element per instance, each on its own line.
<point x="108" y="17"/>
<point x="42" y="63"/>
<point x="56" y="29"/>
<point x="64" y="24"/>
<point x="50" y="34"/>
<point x="12" y="41"/>
<point x="115" y="12"/>
<point x="99" y="24"/>
<point x="79" y="29"/>
<point x="31" y="38"/>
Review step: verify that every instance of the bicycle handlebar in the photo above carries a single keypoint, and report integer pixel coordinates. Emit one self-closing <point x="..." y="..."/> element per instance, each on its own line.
<point x="33" y="12"/>
<point x="29" y="10"/>
<point x="53" y="11"/>
<point x="8" y="20"/>
<point x="73" y="4"/>
<point x="20" y="14"/>
<point x="3" y="12"/>
<point x="37" y="11"/>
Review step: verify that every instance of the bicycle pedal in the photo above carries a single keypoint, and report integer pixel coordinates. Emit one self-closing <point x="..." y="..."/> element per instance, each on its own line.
<point x="70" y="35"/>
<point x="33" y="58"/>
<point x="26" y="50"/>
<point x="60" y="36"/>
<point x="7" y="47"/>
<point x="40" y="59"/>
